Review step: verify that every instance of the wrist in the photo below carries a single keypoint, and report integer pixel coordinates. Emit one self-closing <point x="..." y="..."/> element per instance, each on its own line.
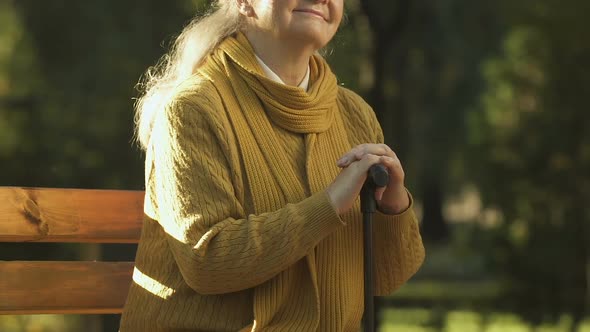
<point x="400" y="206"/>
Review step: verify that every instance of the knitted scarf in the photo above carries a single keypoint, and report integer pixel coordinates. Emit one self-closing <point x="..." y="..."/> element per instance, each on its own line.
<point x="255" y="105"/>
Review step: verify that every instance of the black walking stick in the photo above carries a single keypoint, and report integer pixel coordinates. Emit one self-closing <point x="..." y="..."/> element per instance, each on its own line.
<point x="377" y="177"/>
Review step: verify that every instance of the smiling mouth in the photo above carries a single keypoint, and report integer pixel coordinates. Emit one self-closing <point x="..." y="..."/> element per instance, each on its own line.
<point x="312" y="12"/>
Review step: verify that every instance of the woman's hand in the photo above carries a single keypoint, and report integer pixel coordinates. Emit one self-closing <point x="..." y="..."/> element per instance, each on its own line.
<point x="391" y="199"/>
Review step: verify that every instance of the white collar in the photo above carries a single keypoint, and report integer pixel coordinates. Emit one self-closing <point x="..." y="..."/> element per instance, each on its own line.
<point x="273" y="76"/>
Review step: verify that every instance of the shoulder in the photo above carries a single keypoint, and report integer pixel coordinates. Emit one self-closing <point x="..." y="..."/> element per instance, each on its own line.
<point x="196" y="93"/>
<point x="195" y="101"/>
<point x="194" y="113"/>
<point x="351" y="98"/>
<point x="357" y="114"/>
<point x="354" y="105"/>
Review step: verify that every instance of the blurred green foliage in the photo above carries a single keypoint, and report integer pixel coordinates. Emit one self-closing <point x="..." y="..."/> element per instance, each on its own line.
<point x="529" y="140"/>
<point x="488" y="95"/>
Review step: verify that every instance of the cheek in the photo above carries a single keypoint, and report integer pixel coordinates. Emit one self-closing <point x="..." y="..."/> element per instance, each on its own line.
<point x="337" y="11"/>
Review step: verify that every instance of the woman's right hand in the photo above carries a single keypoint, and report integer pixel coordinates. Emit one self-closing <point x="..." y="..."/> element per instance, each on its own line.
<point x="346" y="187"/>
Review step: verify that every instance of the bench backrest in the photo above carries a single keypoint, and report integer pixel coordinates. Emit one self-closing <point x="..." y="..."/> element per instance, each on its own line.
<point x="67" y="215"/>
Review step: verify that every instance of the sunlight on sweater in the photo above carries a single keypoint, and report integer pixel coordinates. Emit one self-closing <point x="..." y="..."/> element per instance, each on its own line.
<point x="181" y="230"/>
<point x="151" y="285"/>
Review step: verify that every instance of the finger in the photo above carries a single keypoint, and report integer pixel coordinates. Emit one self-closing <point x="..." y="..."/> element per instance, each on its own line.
<point x="358" y="152"/>
<point x="379" y="193"/>
<point x="345" y="160"/>
<point x="376" y="149"/>
<point x="396" y="171"/>
<point x="362" y="150"/>
<point x="366" y="162"/>
<point x="390" y="152"/>
<point x="350" y="156"/>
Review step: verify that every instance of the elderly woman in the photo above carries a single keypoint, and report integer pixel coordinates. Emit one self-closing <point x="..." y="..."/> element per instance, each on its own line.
<point x="254" y="161"/>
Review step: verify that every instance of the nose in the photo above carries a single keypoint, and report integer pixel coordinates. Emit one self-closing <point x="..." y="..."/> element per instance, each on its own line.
<point x="321" y="1"/>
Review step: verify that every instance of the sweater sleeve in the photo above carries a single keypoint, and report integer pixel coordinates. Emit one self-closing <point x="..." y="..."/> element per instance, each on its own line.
<point x="217" y="248"/>
<point x="398" y="249"/>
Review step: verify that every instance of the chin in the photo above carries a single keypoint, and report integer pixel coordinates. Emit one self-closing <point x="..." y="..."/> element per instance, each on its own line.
<point x="315" y="39"/>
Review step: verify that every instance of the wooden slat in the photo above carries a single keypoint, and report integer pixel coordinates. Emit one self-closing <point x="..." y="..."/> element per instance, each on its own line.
<point x="64" y="287"/>
<point x="70" y="215"/>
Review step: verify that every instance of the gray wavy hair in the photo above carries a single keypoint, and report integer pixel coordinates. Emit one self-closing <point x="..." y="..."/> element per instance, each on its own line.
<point x="187" y="53"/>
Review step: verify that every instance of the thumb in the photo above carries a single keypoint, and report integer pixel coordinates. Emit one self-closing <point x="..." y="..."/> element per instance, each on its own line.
<point x="379" y="193"/>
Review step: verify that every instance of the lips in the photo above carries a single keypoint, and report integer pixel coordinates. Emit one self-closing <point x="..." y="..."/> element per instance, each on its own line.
<point x="311" y="11"/>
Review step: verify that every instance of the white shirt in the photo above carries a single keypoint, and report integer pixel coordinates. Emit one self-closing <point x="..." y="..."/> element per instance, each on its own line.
<point x="273" y="76"/>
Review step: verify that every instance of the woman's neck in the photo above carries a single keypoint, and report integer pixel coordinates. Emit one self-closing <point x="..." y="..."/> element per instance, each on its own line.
<point x="288" y="61"/>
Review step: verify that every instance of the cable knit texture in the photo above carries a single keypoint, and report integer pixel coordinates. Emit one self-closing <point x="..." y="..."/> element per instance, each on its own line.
<point x="239" y="232"/>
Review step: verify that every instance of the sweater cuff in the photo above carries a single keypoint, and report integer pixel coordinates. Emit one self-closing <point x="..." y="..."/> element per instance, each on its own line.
<point x="399" y="224"/>
<point x="321" y="217"/>
<point x="407" y="214"/>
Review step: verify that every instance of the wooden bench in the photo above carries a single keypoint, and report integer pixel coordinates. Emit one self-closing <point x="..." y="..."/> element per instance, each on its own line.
<point x="67" y="216"/>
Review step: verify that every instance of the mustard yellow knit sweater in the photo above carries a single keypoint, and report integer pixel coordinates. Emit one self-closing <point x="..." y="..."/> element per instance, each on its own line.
<point x="203" y="252"/>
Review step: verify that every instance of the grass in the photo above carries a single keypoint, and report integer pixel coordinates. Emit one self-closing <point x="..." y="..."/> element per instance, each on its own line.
<point x="394" y="320"/>
<point x="41" y="323"/>
<point x="434" y="290"/>
<point x="425" y="320"/>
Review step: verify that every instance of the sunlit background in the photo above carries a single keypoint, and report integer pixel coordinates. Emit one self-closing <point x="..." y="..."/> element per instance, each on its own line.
<point x="485" y="102"/>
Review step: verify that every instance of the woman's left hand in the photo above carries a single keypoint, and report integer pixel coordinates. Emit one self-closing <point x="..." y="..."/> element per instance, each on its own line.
<point x="393" y="198"/>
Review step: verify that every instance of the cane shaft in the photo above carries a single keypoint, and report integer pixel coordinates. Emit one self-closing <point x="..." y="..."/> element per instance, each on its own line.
<point x="369" y="314"/>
